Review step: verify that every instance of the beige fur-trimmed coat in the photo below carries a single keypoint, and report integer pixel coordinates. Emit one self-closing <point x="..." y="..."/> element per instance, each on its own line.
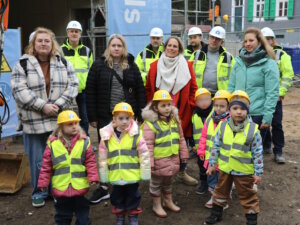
<point x="168" y="166"/>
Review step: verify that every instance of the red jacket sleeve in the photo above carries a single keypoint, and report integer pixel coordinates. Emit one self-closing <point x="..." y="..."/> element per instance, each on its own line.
<point x="150" y="83"/>
<point x="91" y="165"/>
<point x="194" y="86"/>
<point x="46" y="170"/>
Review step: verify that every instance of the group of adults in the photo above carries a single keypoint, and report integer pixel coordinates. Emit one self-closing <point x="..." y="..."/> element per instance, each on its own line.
<point x="44" y="83"/>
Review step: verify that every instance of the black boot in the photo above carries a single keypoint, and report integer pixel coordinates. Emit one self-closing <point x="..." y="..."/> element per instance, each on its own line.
<point x="251" y="219"/>
<point x="216" y="215"/>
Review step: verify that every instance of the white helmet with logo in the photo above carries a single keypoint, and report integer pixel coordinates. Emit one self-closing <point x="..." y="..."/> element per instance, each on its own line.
<point x="195" y="31"/>
<point x="156" y="32"/>
<point x="267" y="32"/>
<point x="218" y="32"/>
<point x="74" y="25"/>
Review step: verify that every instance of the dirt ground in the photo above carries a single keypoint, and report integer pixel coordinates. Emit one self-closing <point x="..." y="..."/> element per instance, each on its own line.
<point x="278" y="193"/>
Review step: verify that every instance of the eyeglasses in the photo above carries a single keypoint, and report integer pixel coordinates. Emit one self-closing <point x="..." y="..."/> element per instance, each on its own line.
<point x="123" y="118"/>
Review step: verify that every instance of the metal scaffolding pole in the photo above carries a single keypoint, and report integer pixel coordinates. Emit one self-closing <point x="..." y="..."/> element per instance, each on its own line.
<point x="213" y="12"/>
<point x="92" y="26"/>
<point x="186" y="8"/>
<point x="196" y="9"/>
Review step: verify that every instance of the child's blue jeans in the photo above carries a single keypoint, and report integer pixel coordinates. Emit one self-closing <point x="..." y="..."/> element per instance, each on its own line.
<point x="212" y="180"/>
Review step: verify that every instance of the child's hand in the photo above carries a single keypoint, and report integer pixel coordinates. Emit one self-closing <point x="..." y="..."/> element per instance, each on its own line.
<point x="257" y="179"/>
<point x="264" y="126"/>
<point x="210" y="170"/>
<point x="202" y="157"/>
<point x="194" y="149"/>
<point x="43" y="189"/>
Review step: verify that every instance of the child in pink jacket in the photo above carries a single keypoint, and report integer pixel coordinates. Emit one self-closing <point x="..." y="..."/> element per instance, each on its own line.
<point x="220" y="113"/>
<point x="70" y="163"/>
<point x="164" y="137"/>
<point x="124" y="161"/>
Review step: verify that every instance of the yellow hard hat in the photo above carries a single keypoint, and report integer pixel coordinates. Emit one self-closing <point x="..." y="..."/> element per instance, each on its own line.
<point x="238" y="93"/>
<point x="222" y="94"/>
<point x="202" y="91"/>
<point x="67" y="116"/>
<point x="123" y="107"/>
<point x="162" y="95"/>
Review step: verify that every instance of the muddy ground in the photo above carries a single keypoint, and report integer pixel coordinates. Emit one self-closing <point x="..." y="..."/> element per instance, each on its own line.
<point x="279" y="192"/>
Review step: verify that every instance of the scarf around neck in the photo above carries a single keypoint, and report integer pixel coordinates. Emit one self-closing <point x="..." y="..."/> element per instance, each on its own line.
<point x="238" y="127"/>
<point x="252" y="57"/>
<point x="217" y="118"/>
<point x="203" y="113"/>
<point x="172" y="73"/>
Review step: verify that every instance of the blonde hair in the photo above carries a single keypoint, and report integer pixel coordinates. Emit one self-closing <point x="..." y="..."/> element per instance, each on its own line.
<point x="109" y="59"/>
<point x="58" y="130"/>
<point x="30" y="49"/>
<point x="180" y="44"/>
<point x="262" y="40"/>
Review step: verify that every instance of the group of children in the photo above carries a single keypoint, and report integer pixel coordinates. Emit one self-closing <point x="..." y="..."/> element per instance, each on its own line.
<point x="227" y="142"/>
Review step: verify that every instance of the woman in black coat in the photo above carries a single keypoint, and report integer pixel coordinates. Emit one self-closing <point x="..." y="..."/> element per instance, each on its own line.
<point x="113" y="78"/>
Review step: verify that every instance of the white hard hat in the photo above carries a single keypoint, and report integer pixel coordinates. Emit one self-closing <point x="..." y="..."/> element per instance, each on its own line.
<point x="74" y="25"/>
<point x="156" y="32"/>
<point x="194" y="31"/>
<point x="218" y="32"/>
<point x="267" y="32"/>
<point x="31" y="36"/>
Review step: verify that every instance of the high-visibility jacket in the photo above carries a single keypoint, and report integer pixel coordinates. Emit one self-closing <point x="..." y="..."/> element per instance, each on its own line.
<point x="81" y="58"/>
<point x="211" y="132"/>
<point x="197" y="128"/>
<point x="69" y="168"/>
<point x="286" y="71"/>
<point x="235" y="150"/>
<point x="145" y="58"/>
<point x="166" y="138"/>
<point x="189" y="51"/>
<point x="123" y="158"/>
<point x="224" y="66"/>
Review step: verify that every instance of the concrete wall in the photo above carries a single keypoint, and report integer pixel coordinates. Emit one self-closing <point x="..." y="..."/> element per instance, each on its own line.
<point x="53" y="14"/>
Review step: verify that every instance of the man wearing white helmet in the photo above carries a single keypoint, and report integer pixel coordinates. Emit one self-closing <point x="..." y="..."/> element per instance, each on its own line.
<point x="151" y="52"/>
<point x="81" y="58"/>
<point x="285" y="81"/>
<point x="213" y="64"/>
<point x="195" y="42"/>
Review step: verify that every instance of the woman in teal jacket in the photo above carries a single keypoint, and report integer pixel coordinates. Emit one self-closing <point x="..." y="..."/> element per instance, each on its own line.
<point x="256" y="73"/>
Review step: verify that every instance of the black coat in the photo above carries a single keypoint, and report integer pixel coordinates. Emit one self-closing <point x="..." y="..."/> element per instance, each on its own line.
<point x="98" y="91"/>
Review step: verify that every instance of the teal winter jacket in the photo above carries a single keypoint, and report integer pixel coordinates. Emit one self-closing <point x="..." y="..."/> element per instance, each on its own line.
<point x="261" y="82"/>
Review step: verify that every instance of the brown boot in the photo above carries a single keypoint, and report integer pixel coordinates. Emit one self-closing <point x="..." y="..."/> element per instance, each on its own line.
<point x="169" y="204"/>
<point x="187" y="179"/>
<point x="157" y="208"/>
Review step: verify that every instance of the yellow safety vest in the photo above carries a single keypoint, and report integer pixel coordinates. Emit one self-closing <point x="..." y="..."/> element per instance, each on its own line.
<point x="123" y="158"/>
<point x="224" y="66"/>
<point x="81" y="59"/>
<point x="166" y="138"/>
<point x="235" y="151"/>
<point x="69" y="168"/>
<point x="209" y="137"/>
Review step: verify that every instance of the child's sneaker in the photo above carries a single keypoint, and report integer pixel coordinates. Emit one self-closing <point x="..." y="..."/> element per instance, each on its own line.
<point x="133" y="220"/>
<point x="38" y="202"/>
<point x="202" y="189"/>
<point x="209" y="203"/>
<point x="120" y="220"/>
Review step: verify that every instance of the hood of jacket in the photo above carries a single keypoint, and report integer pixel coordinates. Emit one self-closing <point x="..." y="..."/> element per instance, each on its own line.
<point x="107" y="131"/>
<point x="152" y="116"/>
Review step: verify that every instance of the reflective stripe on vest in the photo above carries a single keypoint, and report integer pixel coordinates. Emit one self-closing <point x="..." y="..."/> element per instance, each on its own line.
<point x="277" y="55"/>
<point x="235" y="151"/>
<point x="144" y="58"/>
<point x="69" y="168"/>
<point x="166" y="138"/>
<point x="123" y="159"/>
<point x="197" y="129"/>
<point x="198" y="75"/>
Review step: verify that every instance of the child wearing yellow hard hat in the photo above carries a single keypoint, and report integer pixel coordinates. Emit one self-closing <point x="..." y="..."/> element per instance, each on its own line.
<point x="70" y="163"/>
<point x="237" y="148"/>
<point x="123" y="161"/>
<point x="220" y="113"/>
<point x="163" y="134"/>
<point x="203" y="109"/>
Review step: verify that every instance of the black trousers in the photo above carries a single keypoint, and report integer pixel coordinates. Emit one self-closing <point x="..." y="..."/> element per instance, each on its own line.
<point x="202" y="173"/>
<point x="125" y="197"/>
<point x="66" y="207"/>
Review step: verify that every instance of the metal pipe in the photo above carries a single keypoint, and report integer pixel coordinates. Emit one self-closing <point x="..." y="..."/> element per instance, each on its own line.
<point x="196" y="9"/>
<point x="213" y="12"/>
<point x="186" y="8"/>
<point x="92" y="25"/>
